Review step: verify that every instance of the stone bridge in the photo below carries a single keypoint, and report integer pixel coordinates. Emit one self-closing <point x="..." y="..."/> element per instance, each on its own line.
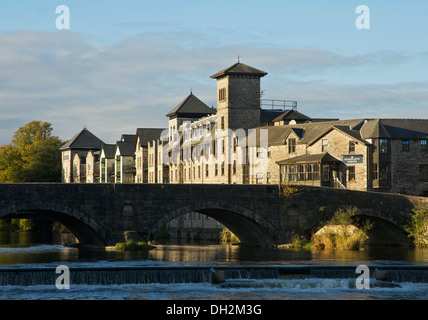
<point x="257" y="214"/>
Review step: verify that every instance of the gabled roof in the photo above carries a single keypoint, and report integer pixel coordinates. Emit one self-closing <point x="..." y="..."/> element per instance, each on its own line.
<point x="109" y="150"/>
<point x="191" y="107"/>
<point x="239" y="69"/>
<point x="402" y="128"/>
<point x="126" y="148"/>
<point x="147" y="135"/>
<point x="83" y="140"/>
<point x="268" y="115"/>
<point x="128" y="137"/>
<point x="314" y="157"/>
<point x="289" y="115"/>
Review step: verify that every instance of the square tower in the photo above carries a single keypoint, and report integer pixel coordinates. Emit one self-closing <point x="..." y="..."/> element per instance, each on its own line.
<point x="238" y="97"/>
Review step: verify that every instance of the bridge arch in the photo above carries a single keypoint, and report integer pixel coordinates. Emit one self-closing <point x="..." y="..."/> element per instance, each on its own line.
<point x="86" y="229"/>
<point x="384" y="230"/>
<point x="248" y="226"/>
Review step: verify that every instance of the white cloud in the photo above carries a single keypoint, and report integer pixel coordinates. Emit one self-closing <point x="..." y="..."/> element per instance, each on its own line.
<point x="68" y="80"/>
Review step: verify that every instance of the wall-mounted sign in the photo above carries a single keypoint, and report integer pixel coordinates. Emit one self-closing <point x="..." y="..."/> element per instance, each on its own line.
<point x="352" y="159"/>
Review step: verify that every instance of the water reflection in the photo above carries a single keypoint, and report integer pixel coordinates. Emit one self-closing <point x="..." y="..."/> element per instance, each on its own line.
<point x="27" y="248"/>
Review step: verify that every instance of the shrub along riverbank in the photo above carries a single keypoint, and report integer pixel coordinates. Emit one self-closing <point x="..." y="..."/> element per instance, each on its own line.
<point x="345" y="231"/>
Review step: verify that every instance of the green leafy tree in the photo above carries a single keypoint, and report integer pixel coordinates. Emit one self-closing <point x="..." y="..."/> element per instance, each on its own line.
<point x="32" y="156"/>
<point x="418" y="227"/>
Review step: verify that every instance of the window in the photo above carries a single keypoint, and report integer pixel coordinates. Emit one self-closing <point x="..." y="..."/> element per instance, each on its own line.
<point x="199" y="171"/>
<point x="423" y="172"/>
<point x="324" y="145"/>
<point x="424" y="145"/>
<point x="268" y="178"/>
<point x="351" y="173"/>
<point x="222" y="123"/>
<point x="316" y="172"/>
<point x="383" y="172"/>
<point x="234" y="167"/>
<point x="326" y="173"/>
<point x="284" y="173"/>
<point x="291" y="145"/>
<point x="405" y="145"/>
<point x="292" y="174"/>
<point x="383" y="146"/>
<point x="222" y="168"/>
<point x="351" y="146"/>
<point x="206" y="170"/>
<point x="222" y="94"/>
<point x="216" y="169"/>
<point x="308" y="169"/>
<point x="269" y="152"/>
<point x="375" y="173"/>
<point x="301" y="175"/>
<point x="259" y="152"/>
<point x="259" y="178"/>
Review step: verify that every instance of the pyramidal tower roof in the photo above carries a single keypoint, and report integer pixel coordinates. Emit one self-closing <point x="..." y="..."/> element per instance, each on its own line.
<point x="83" y="140"/>
<point x="191" y="105"/>
<point x="239" y="69"/>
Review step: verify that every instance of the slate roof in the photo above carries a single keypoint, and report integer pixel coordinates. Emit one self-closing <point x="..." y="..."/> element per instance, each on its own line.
<point x="128" y="137"/>
<point x="239" y="69"/>
<point x="191" y="107"/>
<point x="147" y="135"/>
<point x="268" y="115"/>
<point x="83" y="140"/>
<point x="396" y="128"/>
<point x="126" y="148"/>
<point x="109" y="150"/>
<point x="313" y="157"/>
<point x="289" y="115"/>
<point x="359" y="129"/>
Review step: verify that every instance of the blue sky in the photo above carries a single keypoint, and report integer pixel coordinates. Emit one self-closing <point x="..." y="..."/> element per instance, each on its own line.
<point x="125" y="64"/>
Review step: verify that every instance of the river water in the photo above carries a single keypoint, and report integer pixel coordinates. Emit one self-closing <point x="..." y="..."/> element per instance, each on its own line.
<point x="25" y="251"/>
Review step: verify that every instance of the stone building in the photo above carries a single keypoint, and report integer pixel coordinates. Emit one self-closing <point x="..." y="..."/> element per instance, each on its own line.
<point x="387" y="155"/>
<point x="107" y="163"/>
<point x="79" y="145"/>
<point x="144" y="160"/>
<point x="251" y="140"/>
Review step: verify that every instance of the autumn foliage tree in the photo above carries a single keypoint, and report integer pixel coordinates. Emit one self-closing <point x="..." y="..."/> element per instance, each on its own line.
<point x="32" y="156"/>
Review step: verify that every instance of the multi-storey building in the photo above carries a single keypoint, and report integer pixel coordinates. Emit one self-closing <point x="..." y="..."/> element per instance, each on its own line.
<point x="241" y="142"/>
<point x="79" y="146"/>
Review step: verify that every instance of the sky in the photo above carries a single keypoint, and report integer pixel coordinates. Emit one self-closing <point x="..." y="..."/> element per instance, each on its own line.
<point x="125" y="64"/>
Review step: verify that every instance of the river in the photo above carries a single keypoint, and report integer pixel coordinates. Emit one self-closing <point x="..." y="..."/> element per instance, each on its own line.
<point x="25" y="251"/>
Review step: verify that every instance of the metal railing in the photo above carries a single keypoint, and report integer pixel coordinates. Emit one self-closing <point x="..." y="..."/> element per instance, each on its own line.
<point x="284" y="104"/>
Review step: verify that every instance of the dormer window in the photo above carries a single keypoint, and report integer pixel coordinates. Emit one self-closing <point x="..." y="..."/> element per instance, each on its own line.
<point x="291" y="145"/>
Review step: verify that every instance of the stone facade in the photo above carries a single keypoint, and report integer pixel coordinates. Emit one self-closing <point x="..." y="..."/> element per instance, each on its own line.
<point x="229" y="145"/>
<point x="256" y="214"/>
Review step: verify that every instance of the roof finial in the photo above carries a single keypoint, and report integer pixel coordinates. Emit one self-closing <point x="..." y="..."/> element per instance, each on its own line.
<point x="239" y="59"/>
<point x="191" y="90"/>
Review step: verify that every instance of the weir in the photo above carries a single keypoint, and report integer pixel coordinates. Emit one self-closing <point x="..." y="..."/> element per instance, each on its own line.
<point x="201" y="274"/>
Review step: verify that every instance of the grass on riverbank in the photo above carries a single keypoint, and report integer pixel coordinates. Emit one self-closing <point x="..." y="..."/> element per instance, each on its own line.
<point x="339" y="232"/>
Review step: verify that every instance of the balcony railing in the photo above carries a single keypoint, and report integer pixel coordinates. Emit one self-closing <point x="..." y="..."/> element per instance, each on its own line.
<point x="275" y="104"/>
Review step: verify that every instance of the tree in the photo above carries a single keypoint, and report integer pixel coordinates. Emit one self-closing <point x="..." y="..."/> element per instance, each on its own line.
<point x="418" y="227"/>
<point x="32" y="156"/>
